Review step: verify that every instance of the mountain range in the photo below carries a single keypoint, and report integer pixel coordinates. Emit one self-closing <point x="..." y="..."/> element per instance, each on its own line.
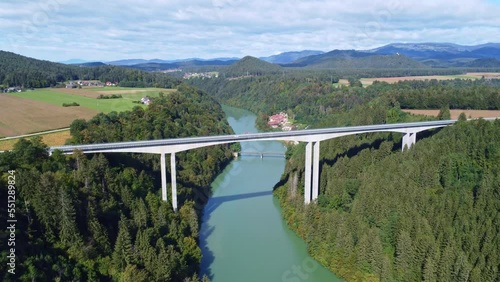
<point x="400" y="55"/>
<point x="442" y="54"/>
<point x="289" y="57"/>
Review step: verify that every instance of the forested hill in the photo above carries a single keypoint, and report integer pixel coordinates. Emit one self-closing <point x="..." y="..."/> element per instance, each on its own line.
<point x="350" y="59"/>
<point x="428" y="214"/>
<point x="100" y="217"/>
<point x="251" y="66"/>
<point x="17" y="70"/>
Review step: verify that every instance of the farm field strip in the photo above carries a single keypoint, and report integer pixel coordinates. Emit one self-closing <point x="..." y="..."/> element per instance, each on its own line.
<point x="456" y="113"/>
<point x="470" y="75"/>
<point x="51" y="139"/>
<point x="369" y="81"/>
<point x="118" y="88"/>
<point x="34" y="134"/>
<point x="94" y="92"/>
<point x="87" y="99"/>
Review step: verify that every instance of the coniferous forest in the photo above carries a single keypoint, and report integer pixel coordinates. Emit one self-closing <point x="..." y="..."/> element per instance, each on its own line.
<point x="427" y="214"/>
<point x="100" y="217"/>
<point x="17" y="70"/>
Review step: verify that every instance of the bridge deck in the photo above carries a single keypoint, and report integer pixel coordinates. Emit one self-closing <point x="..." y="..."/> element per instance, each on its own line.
<point x="298" y="135"/>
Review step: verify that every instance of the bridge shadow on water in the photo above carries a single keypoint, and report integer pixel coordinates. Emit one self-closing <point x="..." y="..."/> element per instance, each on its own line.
<point x="215" y="202"/>
<point x="211" y="206"/>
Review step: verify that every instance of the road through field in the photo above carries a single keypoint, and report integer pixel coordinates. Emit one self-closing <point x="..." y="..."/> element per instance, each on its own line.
<point x="34" y="134"/>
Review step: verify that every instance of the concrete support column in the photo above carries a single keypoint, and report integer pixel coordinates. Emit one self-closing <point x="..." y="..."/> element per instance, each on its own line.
<point x="307" y="178"/>
<point x="163" y="178"/>
<point x="173" y="177"/>
<point x="315" y="183"/>
<point x="408" y="139"/>
<point x="404" y="142"/>
<point x="413" y="139"/>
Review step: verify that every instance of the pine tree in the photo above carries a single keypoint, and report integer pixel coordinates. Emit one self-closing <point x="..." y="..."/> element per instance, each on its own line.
<point x="444" y="113"/>
<point x="404" y="256"/>
<point x="140" y="213"/>
<point x="99" y="233"/>
<point x="133" y="274"/>
<point x="430" y="269"/>
<point x="123" y="254"/>
<point x="68" y="231"/>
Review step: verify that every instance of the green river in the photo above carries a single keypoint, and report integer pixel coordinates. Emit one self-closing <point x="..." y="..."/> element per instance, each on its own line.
<point x="243" y="236"/>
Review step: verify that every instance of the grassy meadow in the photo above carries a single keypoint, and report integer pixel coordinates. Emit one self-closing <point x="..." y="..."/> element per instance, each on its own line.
<point x="87" y="97"/>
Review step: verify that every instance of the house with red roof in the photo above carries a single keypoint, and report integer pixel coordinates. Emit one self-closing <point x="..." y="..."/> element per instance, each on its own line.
<point x="278" y="120"/>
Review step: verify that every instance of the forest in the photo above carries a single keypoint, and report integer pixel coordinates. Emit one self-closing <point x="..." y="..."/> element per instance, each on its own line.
<point x="427" y="214"/>
<point x="100" y="217"/>
<point x="17" y="70"/>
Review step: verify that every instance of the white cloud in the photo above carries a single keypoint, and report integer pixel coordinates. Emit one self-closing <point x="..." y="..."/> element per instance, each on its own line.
<point x="104" y="30"/>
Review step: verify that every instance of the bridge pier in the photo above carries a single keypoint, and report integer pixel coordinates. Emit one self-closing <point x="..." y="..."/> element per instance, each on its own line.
<point x="173" y="177"/>
<point x="307" y="178"/>
<point x="315" y="189"/>
<point x="312" y="156"/>
<point x="409" y="139"/>
<point x="163" y="178"/>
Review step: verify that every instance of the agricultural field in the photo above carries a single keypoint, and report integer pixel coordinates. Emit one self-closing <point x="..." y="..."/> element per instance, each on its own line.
<point x="22" y="116"/>
<point x="51" y="139"/>
<point x="470" y="75"/>
<point x="456" y="113"/>
<point x="87" y="97"/>
<point x="41" y="109"/>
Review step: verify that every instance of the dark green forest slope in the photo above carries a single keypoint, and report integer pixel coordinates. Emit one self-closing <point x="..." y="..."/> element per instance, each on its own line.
<point x="251" y="66"/>
<point x="17" y="70"/>
<point x="427" y="214"/>
<point x="100" y="217"/>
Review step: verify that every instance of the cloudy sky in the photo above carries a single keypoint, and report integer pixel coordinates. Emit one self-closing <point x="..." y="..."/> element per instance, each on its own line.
<point x="103" y="30"/>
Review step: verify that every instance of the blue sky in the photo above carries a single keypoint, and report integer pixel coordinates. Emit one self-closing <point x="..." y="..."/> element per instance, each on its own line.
<point x="59" y="30"/>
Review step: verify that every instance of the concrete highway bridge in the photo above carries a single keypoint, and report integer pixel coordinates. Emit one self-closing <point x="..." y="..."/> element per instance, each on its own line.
<point x="312" y="137"/>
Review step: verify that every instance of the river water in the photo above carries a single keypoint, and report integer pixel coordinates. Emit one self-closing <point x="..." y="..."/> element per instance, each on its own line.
<point x="243" y="237"/>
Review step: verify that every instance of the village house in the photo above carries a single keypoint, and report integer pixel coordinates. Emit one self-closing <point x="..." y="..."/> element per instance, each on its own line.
<point x="189" y="75"/>
<point x="12" y="89"/>
<point x="278" y="120"/>
<point x="71" y="85"/>
<point x="84" y="83"/>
